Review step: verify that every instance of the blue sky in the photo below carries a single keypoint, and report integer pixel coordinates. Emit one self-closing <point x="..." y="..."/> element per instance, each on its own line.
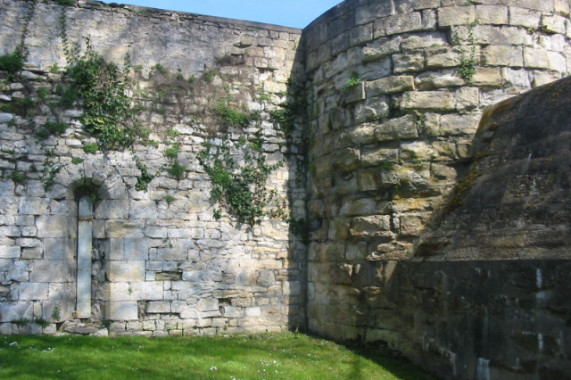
<point x="293" y="13"/>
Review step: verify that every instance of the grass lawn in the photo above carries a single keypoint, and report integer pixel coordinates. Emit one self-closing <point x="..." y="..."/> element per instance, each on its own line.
<point x="271" y="356"/>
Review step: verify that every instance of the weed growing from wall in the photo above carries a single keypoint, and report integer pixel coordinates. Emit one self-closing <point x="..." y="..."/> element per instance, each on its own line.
<point x="468" y="58"/>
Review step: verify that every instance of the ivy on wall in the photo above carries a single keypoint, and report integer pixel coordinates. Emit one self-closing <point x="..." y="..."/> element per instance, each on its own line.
<point x="238" y="170"/>
<point x="240" y="187"/>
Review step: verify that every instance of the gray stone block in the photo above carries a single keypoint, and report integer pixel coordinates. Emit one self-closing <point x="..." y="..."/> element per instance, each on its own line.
<point x="122" y="311"/>
<point x="33" y="291"/>
<point x="125" y="271"/>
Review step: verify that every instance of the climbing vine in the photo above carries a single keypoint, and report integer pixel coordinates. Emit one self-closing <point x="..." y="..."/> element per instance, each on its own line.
<point x="240" y="187"/>
<point x="103" y="91"/>
<point x="108" y="110"/>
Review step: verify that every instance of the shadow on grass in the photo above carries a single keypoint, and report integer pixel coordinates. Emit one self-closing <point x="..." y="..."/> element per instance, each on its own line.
<point x="396" y="364"/>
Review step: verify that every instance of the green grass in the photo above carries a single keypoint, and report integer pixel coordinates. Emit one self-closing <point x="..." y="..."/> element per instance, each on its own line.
<point x="281" y="356"/>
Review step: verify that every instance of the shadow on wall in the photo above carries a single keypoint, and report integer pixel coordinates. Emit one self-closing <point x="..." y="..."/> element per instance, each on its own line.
<point x="487" y="294"/>
<point x="514" y="201"/>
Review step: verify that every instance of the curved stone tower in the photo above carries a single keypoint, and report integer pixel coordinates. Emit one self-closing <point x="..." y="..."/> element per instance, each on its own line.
<point x="397" y="90"/>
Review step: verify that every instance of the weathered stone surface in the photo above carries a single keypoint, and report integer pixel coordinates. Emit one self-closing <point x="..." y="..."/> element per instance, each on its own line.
<point x="432" y="39"/>
<point x="524" y="17"/>
<point x="503" y="56"/>
<point x="449" y="16"/>
<point x="487" y="76"/>
<point x="428" y="100"/>
<point x="123" y="271"/>
<point x="371" y="227"/>
<point x="390" y="85"/>
<point x="492" y="14"/>
<point x="467" y="98"/>
<point x="408" y="62"/>
<point x="553" y="24"/>
<point x="372" y="110"/>
<point x="10" y="252"/>
<point x="6" y="117"/>
<point x="347" y="159"/>
<point x="439" y="57"/>
<point x="397" y="129"/>
<point x="537" y="58"/>
<point x="397" y="23"/>
<point x="122" y="311"/>
<point x="53" y="226"/>
<point x="381" y="47"/>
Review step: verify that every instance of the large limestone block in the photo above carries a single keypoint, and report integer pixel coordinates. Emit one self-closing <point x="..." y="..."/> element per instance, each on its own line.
<point x="56" y="226"/>
<point x="124" y="228"/>
<point x="128" y="249"/>
<point x="538" y="58"/>
<point x="360" y="206"/>
<point x="399" y="129"/>
<point x="16" y="310"/>
<point x="527" y="18"/>
<point x="347" y="159"/>
<point x="122" y="311"/>
<point x="163" y="307"/>
<point x="372" y="109"/>
<point x="427" y="100"/>
<point x="503" y="56"/>
<point x="487" y="76"/>
<point x="463" y="15"/>
<point x="59" y="248"/>
<point x="10" y="252"/>
<point x="147" y="290"/>
<point x="398" y="23"/>
<point x="370" y="227"/>
<point x="422" y="40"/>
<point x="492" y="14"/>
<point x="52" y="271"/>
<point x="443" y="56"/>
<point x="437" y="79"/>
<point x="408" y="62"/>
<point x="33" y="206"/>
<point x="112" y="209"/>
<point x="381" y="47"/>
<point x="143" y="210"/>
<point x="30" y="291"/>
<point x="372" y="11"/>
<point x="125" y="271"/>
<point x="369" y="180"/>
<point x="390" y="85"/>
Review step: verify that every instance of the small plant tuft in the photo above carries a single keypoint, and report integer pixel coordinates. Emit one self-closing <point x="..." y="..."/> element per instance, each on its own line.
<point x="353" y="81"/>
<point x="161" y="69"/>
<point x="177" y="171"/>
<point x="18" y="177"/>
<point x="144" y="178"/>
<point x="12" y="62"/>
<point x="172" y="151"/>
<point x="91" y="147"/>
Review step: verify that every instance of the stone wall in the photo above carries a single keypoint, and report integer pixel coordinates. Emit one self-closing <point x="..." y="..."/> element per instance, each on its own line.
<point x="397" y="90"/>
<point x="161" y="263"/>
<point x="394" y="90"/>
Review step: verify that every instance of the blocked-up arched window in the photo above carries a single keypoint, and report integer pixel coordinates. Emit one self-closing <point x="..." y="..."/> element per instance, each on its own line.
<point x="84" y="249"/>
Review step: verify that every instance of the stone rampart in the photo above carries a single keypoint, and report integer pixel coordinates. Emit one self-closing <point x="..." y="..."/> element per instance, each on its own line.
<point x="384" y="99"/>
<point x="161" y="262"/>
